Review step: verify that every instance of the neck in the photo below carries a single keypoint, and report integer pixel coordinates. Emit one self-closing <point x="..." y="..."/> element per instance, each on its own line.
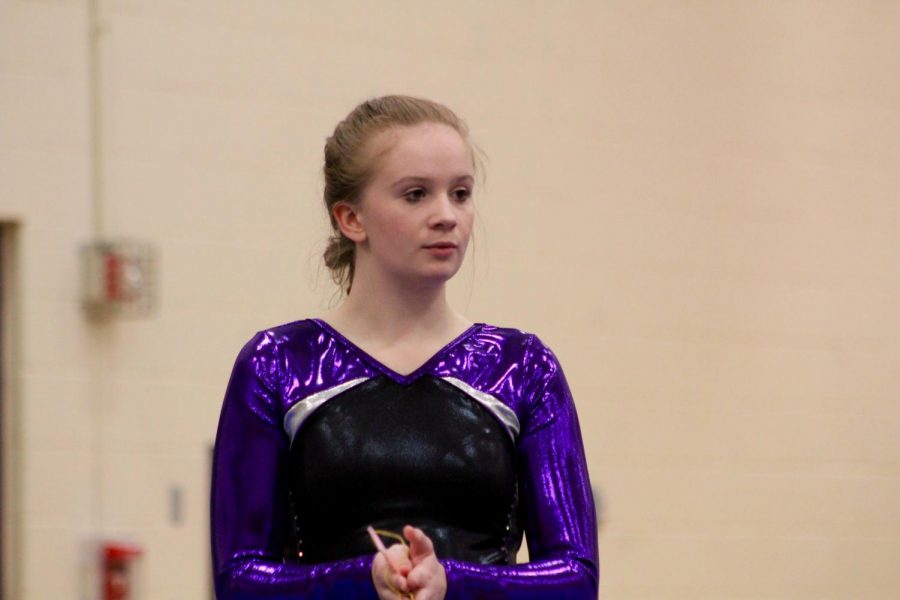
<point x="378" y="306"/>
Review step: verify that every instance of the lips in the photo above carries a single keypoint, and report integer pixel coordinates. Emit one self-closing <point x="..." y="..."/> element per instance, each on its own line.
<point x="441" y="245"/>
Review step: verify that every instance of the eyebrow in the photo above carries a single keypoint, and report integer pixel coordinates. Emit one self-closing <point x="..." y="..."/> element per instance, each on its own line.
<point x="423" y="180"/>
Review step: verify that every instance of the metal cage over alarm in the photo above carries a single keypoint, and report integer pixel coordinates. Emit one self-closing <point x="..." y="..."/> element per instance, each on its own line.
<point x="119" y="278"/>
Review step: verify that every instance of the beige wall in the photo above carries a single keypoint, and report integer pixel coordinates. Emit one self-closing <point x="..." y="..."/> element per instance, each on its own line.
<point x="693" y="203"/>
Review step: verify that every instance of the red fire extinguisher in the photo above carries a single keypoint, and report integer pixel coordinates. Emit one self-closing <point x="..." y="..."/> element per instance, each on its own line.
<point x="119" y="570"/>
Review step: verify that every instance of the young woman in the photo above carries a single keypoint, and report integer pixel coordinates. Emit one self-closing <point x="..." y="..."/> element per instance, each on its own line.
<point x="394" y="410"/>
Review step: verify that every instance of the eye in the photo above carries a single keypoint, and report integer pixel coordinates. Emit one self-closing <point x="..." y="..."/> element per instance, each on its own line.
<point x="413" y="196"/>
<point x="462" y="194"/>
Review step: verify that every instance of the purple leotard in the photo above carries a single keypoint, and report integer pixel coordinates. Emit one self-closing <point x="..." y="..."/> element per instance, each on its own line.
<point x="285" y="373"/>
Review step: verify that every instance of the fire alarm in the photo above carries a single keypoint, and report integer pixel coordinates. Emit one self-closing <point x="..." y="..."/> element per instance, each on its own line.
<point x="119" y="278"/>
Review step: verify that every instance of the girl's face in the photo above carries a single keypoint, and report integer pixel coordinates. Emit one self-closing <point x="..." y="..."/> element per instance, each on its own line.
<point x="416" y="212"/>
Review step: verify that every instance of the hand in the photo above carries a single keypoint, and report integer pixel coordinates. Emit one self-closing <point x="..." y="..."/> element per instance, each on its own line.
<point x="427" y="579"/>
<point x="388" y="584"/>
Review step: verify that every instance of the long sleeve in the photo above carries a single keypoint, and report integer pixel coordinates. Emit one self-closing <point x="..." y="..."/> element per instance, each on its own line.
<point x="248" y="501"/>
<point x="556" y="500"/>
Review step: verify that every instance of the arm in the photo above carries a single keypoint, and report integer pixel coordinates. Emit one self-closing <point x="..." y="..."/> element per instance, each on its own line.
<point x="248" y="494"/>
<point x="557" y="503"/>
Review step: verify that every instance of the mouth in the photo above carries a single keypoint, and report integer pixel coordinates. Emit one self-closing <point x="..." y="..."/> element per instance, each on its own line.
<point x="441" y="245"/>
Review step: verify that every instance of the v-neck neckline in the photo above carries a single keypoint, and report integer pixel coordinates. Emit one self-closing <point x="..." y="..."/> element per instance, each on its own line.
<point x="396" y="376"/>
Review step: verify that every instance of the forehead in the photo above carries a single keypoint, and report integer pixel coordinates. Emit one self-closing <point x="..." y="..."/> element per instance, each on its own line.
<point x="426" y="149"/>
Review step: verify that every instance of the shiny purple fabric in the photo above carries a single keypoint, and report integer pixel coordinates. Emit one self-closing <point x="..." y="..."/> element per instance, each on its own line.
<point x="283" y="365"/>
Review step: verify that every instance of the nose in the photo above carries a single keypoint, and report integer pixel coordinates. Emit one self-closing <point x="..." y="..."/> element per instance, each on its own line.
<point x="444" y="216"/>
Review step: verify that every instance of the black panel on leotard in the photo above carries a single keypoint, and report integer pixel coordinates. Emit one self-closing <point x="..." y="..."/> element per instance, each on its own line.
<point x="388" y="454"/>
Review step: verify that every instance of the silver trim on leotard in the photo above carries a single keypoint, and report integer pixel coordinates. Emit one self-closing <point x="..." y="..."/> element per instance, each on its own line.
<point x="299" y="412"/>
<point x="503" y="413"/>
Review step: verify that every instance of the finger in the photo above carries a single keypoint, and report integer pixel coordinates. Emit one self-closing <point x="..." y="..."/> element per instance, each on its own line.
<point x="428" y="579"/>
<point x="398" y="558"/>
<point x="382" y="577"/>
<point x="432" y="590"/>
<point x="420" y="544"/>
<point x="380" y="564"/>
<point x="425" y="574"/>
<point x="399" y="583"/>
<point x="382" y="567"/>
<point x="418" y="577"/>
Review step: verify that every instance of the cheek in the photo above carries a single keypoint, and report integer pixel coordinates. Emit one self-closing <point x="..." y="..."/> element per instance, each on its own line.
<point x="391" y="231"/>
<point x="396" y="230"/>
<point x="467" y="222"/>
<point x="381" y="221"/>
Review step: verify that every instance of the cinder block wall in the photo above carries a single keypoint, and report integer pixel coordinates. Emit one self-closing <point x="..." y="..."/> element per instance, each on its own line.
<point x="694" y="204"/>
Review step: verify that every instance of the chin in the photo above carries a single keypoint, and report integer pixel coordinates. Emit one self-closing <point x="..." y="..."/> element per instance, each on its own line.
<point x="436" y="276"/>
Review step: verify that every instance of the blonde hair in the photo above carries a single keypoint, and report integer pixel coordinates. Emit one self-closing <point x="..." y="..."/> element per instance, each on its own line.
<point x="348" y="167"/>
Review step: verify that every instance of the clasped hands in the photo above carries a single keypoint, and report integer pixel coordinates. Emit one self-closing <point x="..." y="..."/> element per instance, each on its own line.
<point x="418" y="573"/>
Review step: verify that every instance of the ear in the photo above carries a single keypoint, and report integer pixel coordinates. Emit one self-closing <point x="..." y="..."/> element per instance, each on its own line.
<point x="347" y="218"/>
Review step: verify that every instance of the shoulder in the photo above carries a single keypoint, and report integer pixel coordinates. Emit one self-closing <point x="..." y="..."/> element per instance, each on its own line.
<point x="514" y="355"/>
<point x="276" y="338"/>
<point x="527" y="372"/>
<point x="527" y="346"/>
<point x="267" y="350"/>
<point x="261" y="376"/>
<point x="292" y="331"/>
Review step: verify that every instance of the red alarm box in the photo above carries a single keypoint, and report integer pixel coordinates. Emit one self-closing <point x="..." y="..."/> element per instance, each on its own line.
<point x="119" y="278"/>
<point x="119" y="572"/>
